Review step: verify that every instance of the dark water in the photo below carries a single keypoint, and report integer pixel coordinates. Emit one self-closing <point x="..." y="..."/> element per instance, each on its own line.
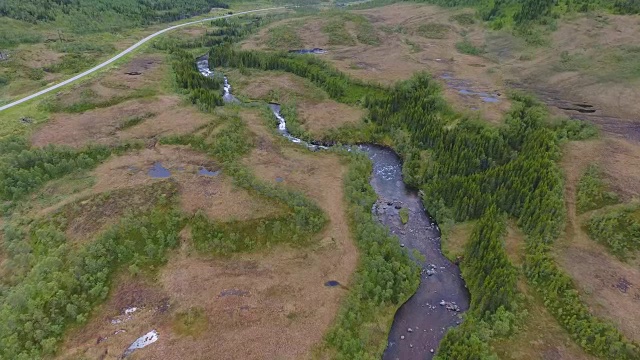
<point x="423" y="312"/>
<point x="233" y="292"/>
<point x="159" y="171"/>
<point x="464" y="87"/>
<point x="309" y="51"/>
<point x="205" y="172"/>
<point x="331" y="283"/>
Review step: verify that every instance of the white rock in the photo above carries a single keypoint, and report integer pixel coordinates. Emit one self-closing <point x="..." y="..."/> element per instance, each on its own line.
<point x="130" y="310"/>
<point x="144" y="340"/>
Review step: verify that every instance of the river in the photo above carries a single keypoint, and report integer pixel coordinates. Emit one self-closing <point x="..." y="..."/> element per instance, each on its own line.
<point x="419" y="324"/>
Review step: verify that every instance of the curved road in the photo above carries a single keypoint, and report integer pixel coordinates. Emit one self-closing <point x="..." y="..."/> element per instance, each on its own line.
<point x="125" y="52"/>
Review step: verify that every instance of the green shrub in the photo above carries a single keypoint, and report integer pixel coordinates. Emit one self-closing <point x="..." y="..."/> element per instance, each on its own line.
<point x="404" y="215"/>
<point x="592" y="191"/>
<point x="284" y="37"/>
<point x="433" y="31"/>
<point x="191" y="322"/>
<point x="618" y="230"/>
<point x="464" y="19"/>
<point x="466" y="47"/>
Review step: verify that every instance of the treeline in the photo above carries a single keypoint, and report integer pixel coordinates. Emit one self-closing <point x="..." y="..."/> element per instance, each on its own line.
<point x="386" y="276"/>
<point x="65" y="283"/>
<point x="335" y="83"/>
<point x="488" y="273"/>
<point x="105" y="15"/>
<point x="523" y="12"/>
<point x="227" y="31"/>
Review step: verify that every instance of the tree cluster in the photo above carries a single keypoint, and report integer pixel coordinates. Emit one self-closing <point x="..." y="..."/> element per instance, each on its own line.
<point x="23" y="169"/>
<point x="105" y="15"/>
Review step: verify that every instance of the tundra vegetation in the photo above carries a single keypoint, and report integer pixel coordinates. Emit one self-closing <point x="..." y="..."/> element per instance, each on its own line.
<point x="469" y="172"/>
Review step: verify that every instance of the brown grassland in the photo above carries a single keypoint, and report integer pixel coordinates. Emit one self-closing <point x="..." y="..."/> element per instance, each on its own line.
<point x="270" y="304"/>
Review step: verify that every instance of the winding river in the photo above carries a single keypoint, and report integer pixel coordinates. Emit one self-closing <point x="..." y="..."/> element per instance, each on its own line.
<point x="421" y="322"/>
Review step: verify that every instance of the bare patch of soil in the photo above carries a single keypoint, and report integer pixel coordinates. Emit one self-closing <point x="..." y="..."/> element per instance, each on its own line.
<point x="177" y="120"/>
<point x="455" y="240"/>
<point x="219" y="199"/>
<point x="514" y="244"/>
<point x="610" y="287"/>
<point x="273" y="86"/>
<point x="164" y="115"/>
<point x="313" y="36"/>
<point x="621" y="166"/>
<point x="38" y="56"/>
<point x="193" y="31"/>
